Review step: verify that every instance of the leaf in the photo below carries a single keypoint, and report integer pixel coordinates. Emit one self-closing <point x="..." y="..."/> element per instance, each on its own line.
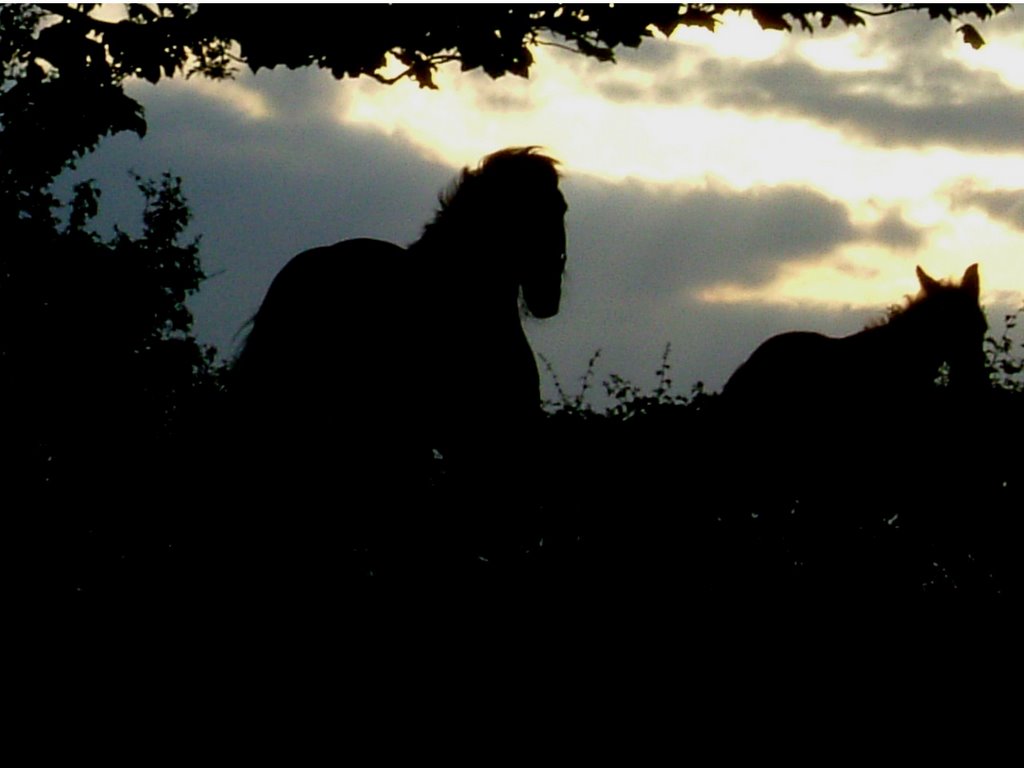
<point x="767" y="19"/>
<point x="971" y="36"/>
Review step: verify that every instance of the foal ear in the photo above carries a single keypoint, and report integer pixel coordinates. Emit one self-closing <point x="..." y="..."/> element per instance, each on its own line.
<point x="971" y="282"/>
<point x="927" y="283"/>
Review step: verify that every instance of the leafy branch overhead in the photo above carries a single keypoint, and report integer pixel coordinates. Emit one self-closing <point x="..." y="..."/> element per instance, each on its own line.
<point x="356" y="41"/>
<point x="83" y="57"/>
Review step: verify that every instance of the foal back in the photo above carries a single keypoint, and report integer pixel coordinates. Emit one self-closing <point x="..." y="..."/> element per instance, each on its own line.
<point x="808" y="383"/>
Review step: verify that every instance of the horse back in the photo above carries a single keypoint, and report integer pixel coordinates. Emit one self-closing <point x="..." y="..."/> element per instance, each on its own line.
<point x="346" y="277"/>
<point x="315" y="343"/>
<point x="785" y="365"/>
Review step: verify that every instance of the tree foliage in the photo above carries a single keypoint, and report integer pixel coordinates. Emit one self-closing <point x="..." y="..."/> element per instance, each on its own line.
<point x="95" y="336"/>
<point x="103" y="389"/>
<point x="101" y="378"/>
<point x="65" y="65"/>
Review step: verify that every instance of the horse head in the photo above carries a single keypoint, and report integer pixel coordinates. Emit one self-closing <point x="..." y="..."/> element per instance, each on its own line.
<point x="511" y="206"/>
<point x="952" y="326"/>
<point x="542" y="260"/>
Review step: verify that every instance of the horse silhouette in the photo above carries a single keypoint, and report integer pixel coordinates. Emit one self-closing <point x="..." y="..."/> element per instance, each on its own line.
<point x="807" y="409"/>
<point x="848" y="464"/>
<point x="936" y="337"/>
<point x="365" y="359"/>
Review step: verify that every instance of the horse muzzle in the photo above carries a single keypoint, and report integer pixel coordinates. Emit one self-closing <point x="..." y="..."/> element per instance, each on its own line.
<point x="542" y="293"/>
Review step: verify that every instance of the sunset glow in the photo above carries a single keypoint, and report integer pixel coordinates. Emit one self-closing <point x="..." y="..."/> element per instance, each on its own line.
<point x="611" y="122"/>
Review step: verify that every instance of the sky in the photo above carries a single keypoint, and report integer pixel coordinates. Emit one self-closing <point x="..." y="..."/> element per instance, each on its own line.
<point x="723" y="187"/>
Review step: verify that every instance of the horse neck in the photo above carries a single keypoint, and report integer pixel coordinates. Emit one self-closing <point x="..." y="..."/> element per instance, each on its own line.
<point x="459" y="274"/>
<point x="896" y="345"/>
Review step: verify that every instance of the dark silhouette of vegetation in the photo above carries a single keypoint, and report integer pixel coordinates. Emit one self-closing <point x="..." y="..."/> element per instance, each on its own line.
<point x="122" y="476"/>
<point x="801" y="498"/>
<point x="103" y="385"/>
<point x="1006" y="370"/>
<point x="101" y="382"/>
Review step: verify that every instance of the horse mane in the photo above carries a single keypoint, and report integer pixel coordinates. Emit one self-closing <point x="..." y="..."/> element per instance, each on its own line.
<point x="895" y="312"/>
<point x="499" y="181"/>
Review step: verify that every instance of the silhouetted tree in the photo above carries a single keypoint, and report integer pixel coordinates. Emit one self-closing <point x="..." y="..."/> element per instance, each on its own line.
<point x="101" y="379"/>
<point x="1005" y="363"/>
<point x="64" y="68"/>
<point x="99" y="371"/>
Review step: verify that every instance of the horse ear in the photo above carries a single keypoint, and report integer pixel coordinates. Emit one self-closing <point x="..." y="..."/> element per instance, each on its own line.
<point x="927" y="283"/>
<point x="971" y="282"/>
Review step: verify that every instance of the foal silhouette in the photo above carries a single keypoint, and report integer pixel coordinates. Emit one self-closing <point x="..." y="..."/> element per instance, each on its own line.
<point x="366" y="360"/>
<point x="806" y="409"/>
<point x="851" y="462"/>
<point x="800" y="378"/>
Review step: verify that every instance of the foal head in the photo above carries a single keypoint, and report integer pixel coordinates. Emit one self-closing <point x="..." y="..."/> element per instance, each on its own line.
<point x="948" y="326"/>
<point x="509" y="213"/>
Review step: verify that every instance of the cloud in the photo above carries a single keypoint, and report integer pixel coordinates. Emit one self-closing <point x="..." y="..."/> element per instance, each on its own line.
<point x="263" y="190"/>
<point x="663" y="240"/>
<point x="653" y="55"/>
<point x="892" y="230"/>
<point x="1005" y="205"/>
<point x="708" y="341"/>
<point x="910" y="93"/>
<point x="955" y="107"/>
<point x="640" y="256"/>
